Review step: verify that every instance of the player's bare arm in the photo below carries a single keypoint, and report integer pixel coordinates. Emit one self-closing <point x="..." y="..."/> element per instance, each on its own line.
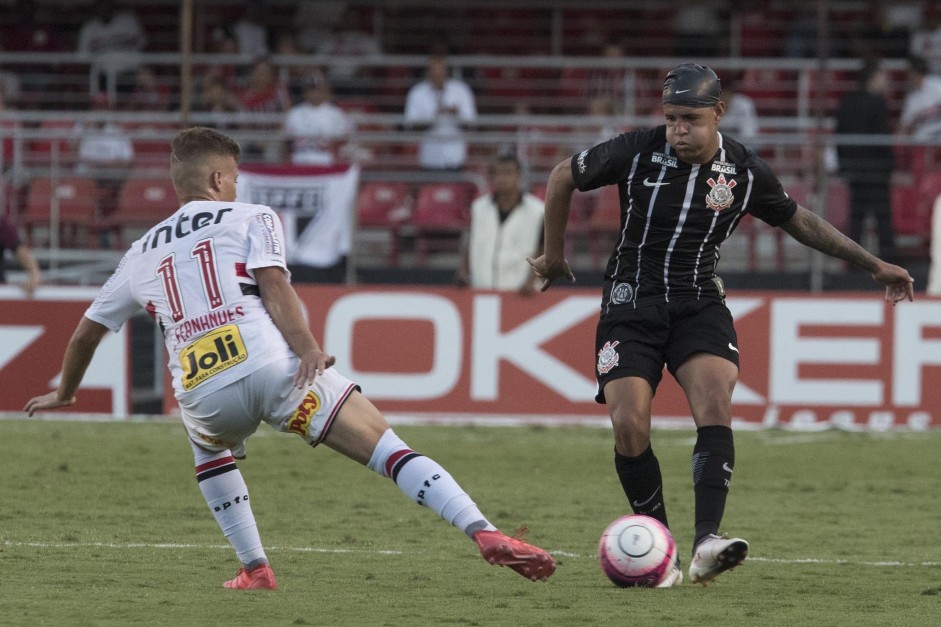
<point x="552" y="265"/>
<point x="78" y="354"/>
<point x="811" y="230"/>
<point x="282" y="304"/>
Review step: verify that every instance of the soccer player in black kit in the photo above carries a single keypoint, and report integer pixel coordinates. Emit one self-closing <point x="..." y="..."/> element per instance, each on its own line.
<point x="684" y="187"/>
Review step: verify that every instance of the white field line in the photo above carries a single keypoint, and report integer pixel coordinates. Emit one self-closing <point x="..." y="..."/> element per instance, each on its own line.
<point x="305" y="549"/>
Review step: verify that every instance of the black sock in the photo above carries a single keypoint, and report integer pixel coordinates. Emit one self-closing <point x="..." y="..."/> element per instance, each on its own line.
<point x="713" y="460"/>
<point x="643" y="484"/>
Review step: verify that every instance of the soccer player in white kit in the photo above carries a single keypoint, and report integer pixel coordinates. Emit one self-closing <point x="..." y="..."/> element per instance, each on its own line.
<point x="213" y="276"/>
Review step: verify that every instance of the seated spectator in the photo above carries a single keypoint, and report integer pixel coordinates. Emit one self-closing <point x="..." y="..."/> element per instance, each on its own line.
<point x="926" y="40"/>
<point x="228" y="73"/>
<point x="740" y="119"/>
<point x="440" y="106"/>
<point x="9" y="90"/>
<point x="112" y="38"/>
<point x="149" y="93"/>
<point x="616" y="85"/>
<point x="105" y="152"/>
<point x="348" y="39"/>
<point x="265" y="93"/>
<point x="293" y="74"/>
<point x="217" y="98"/>
<point x="250" y="32"/>
<point x="506" y="227"/>
<point x="10" y="240"/>
<point x="316" y="126"/>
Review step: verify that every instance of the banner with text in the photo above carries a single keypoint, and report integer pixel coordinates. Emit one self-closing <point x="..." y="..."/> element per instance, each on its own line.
<point x="33" y="337"/>
<point x="810" y="362"/>
<point x="443" y="354"/>
<point x="315" y="204"/>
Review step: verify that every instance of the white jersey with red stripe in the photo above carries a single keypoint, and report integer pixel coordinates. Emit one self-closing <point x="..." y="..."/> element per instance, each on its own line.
<point x="194" y="273"/>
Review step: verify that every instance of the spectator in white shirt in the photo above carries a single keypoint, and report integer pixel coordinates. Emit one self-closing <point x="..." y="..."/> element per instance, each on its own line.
<point x="921" y="111"/>
<point x="112" y="37"/>
<point x="505" y="228"/>
<point x="441" y="106"/>
<point x="316" y="126"/>
<point x="250" y="33"/>
<point x="741" y="116"/>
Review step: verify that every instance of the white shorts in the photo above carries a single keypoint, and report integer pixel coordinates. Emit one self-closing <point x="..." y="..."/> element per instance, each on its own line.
<point x="225" y="418"/>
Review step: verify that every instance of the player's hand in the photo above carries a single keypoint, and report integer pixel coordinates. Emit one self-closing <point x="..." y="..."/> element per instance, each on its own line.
<point x="46" y="401"/>
<point x="899" y="284"/>
<point x="549" y="271"/>
<point x="312" y="364"/>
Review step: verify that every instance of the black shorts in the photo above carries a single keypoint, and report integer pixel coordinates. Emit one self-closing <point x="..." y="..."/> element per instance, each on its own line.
<point x="639" y="342"/>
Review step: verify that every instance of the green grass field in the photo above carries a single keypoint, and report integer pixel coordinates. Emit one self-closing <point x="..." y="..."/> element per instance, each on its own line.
<point x="103" y="524"/>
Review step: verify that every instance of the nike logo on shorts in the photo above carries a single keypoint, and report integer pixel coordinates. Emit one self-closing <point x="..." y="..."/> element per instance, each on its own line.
<point x="681" y="91"/>
<point x="732" y="347"/>
<point x="649" y="183"/>
<point x="725" y="467"/>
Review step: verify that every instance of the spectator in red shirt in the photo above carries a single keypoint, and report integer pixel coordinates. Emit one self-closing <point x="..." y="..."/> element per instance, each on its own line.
<point x="265" y="94"/>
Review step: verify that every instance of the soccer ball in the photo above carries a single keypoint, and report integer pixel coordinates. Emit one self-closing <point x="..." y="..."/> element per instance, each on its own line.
<point x="637" y="551"/>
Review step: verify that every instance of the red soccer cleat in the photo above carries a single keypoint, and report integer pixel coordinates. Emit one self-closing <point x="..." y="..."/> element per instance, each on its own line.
<point x="258" y="578"/>
<point x="500" y="549"/>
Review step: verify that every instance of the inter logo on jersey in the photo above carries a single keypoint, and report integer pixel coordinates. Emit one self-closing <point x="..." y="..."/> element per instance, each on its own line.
<point x="214" y="352"/>
<point x="720" y="196"/>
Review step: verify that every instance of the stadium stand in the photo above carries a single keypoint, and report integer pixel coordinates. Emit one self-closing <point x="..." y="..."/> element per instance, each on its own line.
<point x="141" y="203"/>
<point x="440" y="218"/>
<point x="72" y="202"/>
<point x="527" y="64"/>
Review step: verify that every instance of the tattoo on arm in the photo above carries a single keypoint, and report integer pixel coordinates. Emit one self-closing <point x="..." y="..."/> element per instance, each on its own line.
<point x="811" y="230"/>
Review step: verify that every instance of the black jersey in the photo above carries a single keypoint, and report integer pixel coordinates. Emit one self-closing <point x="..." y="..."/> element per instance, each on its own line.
<point x="675" y="215"/>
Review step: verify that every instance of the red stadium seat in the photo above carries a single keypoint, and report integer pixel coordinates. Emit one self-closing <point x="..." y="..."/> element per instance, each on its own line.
<point x="381" y="208"/>
<point x="141" y="204"/>
<point x="77" y="199"/>
<point x="40" y="151"/>
<point x="441" y="217"/>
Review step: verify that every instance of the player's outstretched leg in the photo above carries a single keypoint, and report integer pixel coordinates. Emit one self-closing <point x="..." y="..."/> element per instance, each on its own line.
<point x="227" y="496"/>
<point x="714" y="555"/>
<point x="424" y="481"/>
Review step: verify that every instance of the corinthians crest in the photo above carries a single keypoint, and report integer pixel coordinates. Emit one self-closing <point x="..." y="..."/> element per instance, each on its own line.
<point x="608" y="357"/>
<point x="720" y="196"/>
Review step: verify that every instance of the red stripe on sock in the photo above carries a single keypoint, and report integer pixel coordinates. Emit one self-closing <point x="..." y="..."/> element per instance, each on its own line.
<point x="394" y="457"/>
<point x="215" y="464"/>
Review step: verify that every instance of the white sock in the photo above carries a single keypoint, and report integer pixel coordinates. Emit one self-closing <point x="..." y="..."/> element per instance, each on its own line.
<point x="227" y="496"/>
<point x="424" y="481"/>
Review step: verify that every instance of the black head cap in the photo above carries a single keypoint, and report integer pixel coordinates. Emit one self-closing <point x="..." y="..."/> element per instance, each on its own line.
<point x="691" y="85"/>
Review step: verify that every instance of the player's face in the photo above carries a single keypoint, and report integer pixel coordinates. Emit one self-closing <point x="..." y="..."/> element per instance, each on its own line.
<point x="505" y="178"/>
<point x="692" y="131"/>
